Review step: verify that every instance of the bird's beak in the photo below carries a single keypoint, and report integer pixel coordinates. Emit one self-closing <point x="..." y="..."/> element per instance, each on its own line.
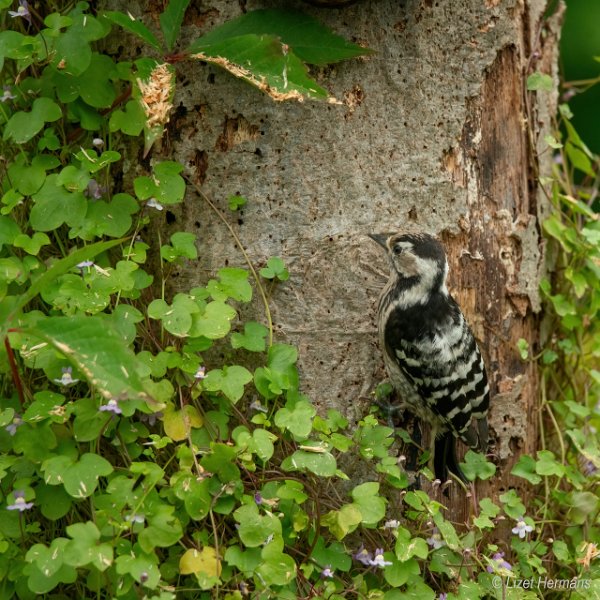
<point x="380" y="238"/>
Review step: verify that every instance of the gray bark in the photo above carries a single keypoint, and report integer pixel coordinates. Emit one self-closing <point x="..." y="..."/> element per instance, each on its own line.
<point x="432" y="135"/>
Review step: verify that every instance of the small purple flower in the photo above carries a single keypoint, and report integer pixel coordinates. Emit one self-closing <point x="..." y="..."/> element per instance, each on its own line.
<point x="94" y="190"/>
<point x="151" y="418"/>
<point x="391" y="524"/>
<point x="135" y="518"/>
<point x="111" y="406"/>
<point x="327" y="573"/>
<point x="443" y="596"/>
<point x="7" y="95"/>
<point x="244" y="589"/>
<point x="436" y="541"/>
<point x="22" y="11"/>
<point x="363" y="555"/>
<point x="67" y="378"/>
<point x="500" y="563"/>
<point x="200" y="373"/>
<point x="258" y="498"/>
<point x="16" y="423"/>
<point x="522" y="529"/>
<point x="85" y="264"/>
<point x="98" y="142"/>
<point x="153" y="203"/>
<point x="257" y="406"/>
<point x="19" y="503"/>
<point x="378" y="559"/>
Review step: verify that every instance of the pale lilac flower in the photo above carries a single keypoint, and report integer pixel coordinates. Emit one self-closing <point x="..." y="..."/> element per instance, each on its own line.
<point x="436" y="541"/>
<point x="200" y="373"/>
<point x="443" y="596"/>
<point x="22" y="11"/>
<point x="16" y="423"/>
<point x="500" y="563"/>
<point x="153" y="203"/>
<point x="378" y="559"/>
<point x="391" y="524"/>
<point x="135" y="518"/>
<point x="19" y="503"/>
<point x="151" y="418"/>
<point x="522" y="529"/>
<point x="67" y="377"/>
<point x="94" y="190"/>
<point x="327" y="573"/>
<point x="85" y="264"/>
<point x="244" y="589"/>
<point x="98" y="142"/>
<point x="258" y="498"/>
<point x="363" y="555"/>
<point x="256" y="405"/>
<point x="7" y="95"/>
<point x="111" y="406"/>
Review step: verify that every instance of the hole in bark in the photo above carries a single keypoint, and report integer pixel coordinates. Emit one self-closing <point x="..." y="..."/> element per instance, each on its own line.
<point x="171" y="218"/>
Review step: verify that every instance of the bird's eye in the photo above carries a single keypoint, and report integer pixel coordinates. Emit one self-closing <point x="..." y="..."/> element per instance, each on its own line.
<point x="398" y="250"/>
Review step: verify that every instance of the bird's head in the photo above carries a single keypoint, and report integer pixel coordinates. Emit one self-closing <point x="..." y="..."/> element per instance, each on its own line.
<point x="416" y="256"/>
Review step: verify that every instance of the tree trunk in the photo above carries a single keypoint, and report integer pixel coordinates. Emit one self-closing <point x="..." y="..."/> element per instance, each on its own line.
<point x="436" y="132"/>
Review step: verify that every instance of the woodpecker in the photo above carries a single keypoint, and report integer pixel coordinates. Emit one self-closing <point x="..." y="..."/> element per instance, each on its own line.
<point x="429" y="351"/>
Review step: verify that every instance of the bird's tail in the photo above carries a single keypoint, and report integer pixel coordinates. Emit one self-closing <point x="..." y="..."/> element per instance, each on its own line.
<point x="444" y="459"/>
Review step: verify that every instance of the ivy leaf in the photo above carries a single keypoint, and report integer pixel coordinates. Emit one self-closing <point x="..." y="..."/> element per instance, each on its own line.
<point x="179" y="423"/>
<point x="476" y="466"/>
<point x="182" y="245"/>
<point x="170" y="20"/>
<point x="233" y="283"/>
<point x="297" y="420"/>
<point x="540" y="81"/>
<point x="371" y="504"/>
<point x="32" y="244"/>
<point x="322" y="464"/>
<point x="54" y="205"/>
<point x="166" y="185"/>
<point x="343" y="521"/>
<point x="229" y="380"/>
<point x="204" y="561"/>
<point x="130" y="121"/>
<point x="142" y="566"/>
<point x="176" y="318"/>
<point x="22" y="126"/>
<point x="214" y="323"/>
<point x="253" y="338"/>
<point x="276" y="568"/>
<point x="547" y="465"/>
<point x="526" y="468"/>
<point x="275" y="269"/>
<point x="84" y="548"/>
<point x="236" y="202"/>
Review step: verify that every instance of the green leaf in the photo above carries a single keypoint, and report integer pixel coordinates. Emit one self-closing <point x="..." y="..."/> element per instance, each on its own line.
<point x="233" y="283"/>
<point x="398" y="573"/>
<point x="176" y="318"/>
<point x="9" y="230"/>
<point x="540" y="81"/>
<point x="276" y="567"/>
<point x="142" y="566"/>
<point x="262" y="61"/>
<point x="344" y="521"/>
<point x="31" y="245"/>
<point x="322" y="464"/>
<point x="171" y="19"/>
<point x="214" y="323"/>
<point x="97" y="350"/>
<point x="297" y="420"/>
<point x="526" y="468"/>
<point x="229" y="380"/>
<point x="83" y="549"/>
<point x="547" y="465"/>
<point x="476" y="466"/>
<point x="54" y="205"/>
<point x="22" y="126"/>
<point x="27" y="179"/>
<point x="311" y="41"/>
<point x="80" y="478"/>
<point x="253" y="338"/>
<point x="166" y="185"/>
<point x="408" y="547"/>
<point x="130" y="121"/>
<point x="523" y="347"/>
<point x="134" y="26"/>
<point x="370" y="503"/>
<point x="236" y="202"/>
<point x="275" y="268"/>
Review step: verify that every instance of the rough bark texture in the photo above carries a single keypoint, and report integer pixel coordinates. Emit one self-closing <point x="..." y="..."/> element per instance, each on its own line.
<point x="433" y="135"/>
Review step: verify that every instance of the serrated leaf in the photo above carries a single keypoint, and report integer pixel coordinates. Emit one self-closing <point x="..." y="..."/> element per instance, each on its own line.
<point x="310" y="40"/>
<point x="134" y="26"/>
<point x="171" y="19"/>
<point x="97" y="350"/>
<point x="262" y="61"/>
